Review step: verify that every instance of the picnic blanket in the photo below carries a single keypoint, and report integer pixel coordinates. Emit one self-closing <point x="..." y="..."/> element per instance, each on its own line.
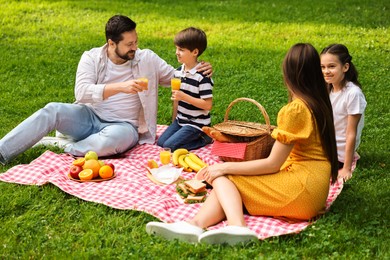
<point x="132" y="190"/>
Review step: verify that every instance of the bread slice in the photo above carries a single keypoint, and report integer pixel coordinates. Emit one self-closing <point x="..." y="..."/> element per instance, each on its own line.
<point x="182" y="190"/>
<point x="183" y="187"/>
<point x="195" y="186"/>
<point x="194" y="199"/>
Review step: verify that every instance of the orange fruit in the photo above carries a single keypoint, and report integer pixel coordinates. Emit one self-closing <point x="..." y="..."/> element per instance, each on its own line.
<point x="94" y="165"/>
<point x="152" y="164"/>
<point x="79" y="162"/>
<point x="106" y="172"/>
<point x="86" y="174"/>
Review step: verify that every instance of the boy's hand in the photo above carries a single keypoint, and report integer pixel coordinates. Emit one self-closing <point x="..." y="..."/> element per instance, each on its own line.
<point x="204" y="104"/>
<point x="178" y="95"/>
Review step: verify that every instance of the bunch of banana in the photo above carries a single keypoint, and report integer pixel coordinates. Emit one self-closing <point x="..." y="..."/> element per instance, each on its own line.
<point x="189" y="161"/>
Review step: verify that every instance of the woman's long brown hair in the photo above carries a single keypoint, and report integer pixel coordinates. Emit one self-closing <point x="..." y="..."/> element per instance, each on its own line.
<point x="303" y="78"/>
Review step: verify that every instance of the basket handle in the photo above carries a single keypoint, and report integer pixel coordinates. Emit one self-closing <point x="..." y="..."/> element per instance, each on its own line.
<point x="261" y="108"/>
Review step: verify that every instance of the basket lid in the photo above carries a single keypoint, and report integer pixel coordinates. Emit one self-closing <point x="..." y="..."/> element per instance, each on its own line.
<point x="240" y="128"/>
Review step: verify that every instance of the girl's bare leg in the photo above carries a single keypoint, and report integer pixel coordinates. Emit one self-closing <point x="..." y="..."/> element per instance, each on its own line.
<point x="224" y="202"/>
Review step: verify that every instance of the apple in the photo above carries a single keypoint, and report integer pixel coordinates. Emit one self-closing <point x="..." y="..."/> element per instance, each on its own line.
<point x="74" y="171"/>
<point x="91" y="155"/>
<point x="101" y="163"/>
<point x="111" y="165"/>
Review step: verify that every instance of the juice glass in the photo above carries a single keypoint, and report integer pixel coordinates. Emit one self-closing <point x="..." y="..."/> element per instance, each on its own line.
<point x="144" y="83"/>
<point x="165" y="156"/>
<point x="175" y="83"/>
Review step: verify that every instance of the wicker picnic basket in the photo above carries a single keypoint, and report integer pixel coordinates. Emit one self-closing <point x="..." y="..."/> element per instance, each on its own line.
<point x="256" y="135"/>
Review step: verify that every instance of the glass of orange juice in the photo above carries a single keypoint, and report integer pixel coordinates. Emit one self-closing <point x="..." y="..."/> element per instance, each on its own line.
<point x="165" y="156"/>
<point x="175" y="83"/>
<point x="144" y="82"/>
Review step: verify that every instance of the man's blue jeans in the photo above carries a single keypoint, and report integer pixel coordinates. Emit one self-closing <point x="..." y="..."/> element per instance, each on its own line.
<point x="75" y="120"/>
<point x="188" y="137"/>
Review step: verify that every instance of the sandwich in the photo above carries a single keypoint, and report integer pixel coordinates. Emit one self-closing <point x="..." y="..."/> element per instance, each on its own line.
<point x="192" y="191"/>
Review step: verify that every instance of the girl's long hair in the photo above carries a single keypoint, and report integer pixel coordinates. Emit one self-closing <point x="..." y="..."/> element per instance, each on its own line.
<point x="342" y="53"/>
<point x="303" y="78"/>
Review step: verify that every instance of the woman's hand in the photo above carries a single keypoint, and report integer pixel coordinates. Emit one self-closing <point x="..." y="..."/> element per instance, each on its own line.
<point x="212" y="172"/>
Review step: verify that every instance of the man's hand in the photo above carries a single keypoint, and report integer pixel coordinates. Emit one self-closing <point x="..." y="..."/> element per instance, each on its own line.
<point x="206" y="68"/>
<point x="128" y="87"/>
<point x="133" y="86"/>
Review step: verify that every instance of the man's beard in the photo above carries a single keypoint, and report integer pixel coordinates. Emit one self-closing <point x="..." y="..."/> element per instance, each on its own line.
<point x="128" y="56"/>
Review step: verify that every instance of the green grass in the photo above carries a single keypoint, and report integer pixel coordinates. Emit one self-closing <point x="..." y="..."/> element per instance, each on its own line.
<point x="41" y="43"/>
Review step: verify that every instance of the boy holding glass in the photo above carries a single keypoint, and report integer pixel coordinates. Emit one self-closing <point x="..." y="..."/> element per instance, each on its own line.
<point x="194" y="99"/>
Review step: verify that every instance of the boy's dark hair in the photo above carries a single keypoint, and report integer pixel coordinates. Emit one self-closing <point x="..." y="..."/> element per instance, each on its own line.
<point x="191" y="38"/>
<point x="342" y="53"/>
<point x="117" y="25"/>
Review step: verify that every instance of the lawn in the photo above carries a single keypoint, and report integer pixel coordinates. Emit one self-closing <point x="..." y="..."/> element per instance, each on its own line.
<point x="41" y="43"/>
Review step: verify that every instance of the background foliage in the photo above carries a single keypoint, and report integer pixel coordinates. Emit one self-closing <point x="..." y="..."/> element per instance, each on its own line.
<point x="41" y="43"/>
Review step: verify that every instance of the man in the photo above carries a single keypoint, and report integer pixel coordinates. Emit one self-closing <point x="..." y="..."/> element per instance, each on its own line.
<point x="113" y="111"/>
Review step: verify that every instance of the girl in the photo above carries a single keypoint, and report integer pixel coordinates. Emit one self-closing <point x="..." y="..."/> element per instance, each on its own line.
<point x="292" y="182"/>
<point x="348" y="104"/>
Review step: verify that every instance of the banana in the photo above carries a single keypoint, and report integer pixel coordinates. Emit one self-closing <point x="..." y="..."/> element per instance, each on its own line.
<point x="196" y="167"/>
<point x="176" y="154"/>
<point x="197" y="160"/>
<point x="183" y="164"/>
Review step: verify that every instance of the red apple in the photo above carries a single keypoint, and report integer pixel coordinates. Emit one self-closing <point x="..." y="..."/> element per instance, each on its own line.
<point x="74" y="171"/>
<point x="111" y="165"/>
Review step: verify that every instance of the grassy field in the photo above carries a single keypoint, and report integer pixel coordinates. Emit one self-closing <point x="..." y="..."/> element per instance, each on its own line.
<point x="41" y="43"/>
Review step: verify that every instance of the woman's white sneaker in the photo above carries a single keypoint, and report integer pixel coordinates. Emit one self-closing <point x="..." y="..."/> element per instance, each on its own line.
<point x="182" y="231"/>
<point x="230" y="235"/>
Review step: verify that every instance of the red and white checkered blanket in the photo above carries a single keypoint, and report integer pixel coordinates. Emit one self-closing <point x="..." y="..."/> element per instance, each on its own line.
<point x="131" y="189"/>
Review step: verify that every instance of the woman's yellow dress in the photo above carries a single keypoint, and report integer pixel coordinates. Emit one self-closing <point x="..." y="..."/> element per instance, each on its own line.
<point x="300" y="189"/>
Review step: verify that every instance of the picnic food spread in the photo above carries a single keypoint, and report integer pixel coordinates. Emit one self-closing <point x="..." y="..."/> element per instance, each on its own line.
<point x="152" y="164"/>
<point x="90" y="168"/>
<point x="182" y="160"/>
<point x="192" y="191"/>
<point x="189" y="161"/>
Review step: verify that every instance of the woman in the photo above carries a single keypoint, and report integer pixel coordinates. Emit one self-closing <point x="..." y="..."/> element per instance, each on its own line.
<point x="292" y="182"/>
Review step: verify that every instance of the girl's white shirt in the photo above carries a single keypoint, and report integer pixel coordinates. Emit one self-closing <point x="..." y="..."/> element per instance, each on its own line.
<point x="350" y="100"/>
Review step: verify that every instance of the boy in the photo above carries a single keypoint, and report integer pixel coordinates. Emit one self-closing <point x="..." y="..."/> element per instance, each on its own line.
<point x="194" y="99"/>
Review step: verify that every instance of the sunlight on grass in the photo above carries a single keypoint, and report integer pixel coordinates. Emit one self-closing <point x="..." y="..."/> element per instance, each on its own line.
<point x="41" y="43"/>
